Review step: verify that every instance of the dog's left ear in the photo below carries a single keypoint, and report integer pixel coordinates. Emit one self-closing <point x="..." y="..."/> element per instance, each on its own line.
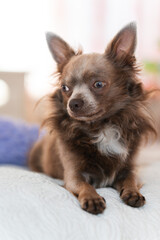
<point x="123" y="44"/>
<point x="59" y="49"/>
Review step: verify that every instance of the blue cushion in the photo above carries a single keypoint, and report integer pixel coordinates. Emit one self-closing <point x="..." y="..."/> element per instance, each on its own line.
<point x="16" y="138"/>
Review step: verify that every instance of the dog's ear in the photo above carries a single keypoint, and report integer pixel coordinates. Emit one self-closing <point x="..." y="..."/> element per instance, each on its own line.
<point x="123" y="44"/>
<point x="59" y="49"/>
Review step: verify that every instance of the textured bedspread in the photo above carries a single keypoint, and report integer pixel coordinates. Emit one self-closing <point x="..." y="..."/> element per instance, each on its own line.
<point x="35" y="207"/>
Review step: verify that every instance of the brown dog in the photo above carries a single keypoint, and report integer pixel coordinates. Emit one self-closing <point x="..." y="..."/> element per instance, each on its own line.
<point x="96" y="123"/>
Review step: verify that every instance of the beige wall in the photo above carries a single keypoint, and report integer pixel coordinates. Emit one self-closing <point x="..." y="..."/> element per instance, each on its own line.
<point x="20" y="105"/>
<point x="15" y="106"/>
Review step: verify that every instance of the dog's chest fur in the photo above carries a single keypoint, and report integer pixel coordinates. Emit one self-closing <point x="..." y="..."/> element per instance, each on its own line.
<point x="109" y="142"/>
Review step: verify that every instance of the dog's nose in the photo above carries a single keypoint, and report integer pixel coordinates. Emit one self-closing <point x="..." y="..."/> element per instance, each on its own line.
<point x="76" y="104"/>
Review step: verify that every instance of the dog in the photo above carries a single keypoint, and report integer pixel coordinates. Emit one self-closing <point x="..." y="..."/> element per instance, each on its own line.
<point x="97" y="121"/>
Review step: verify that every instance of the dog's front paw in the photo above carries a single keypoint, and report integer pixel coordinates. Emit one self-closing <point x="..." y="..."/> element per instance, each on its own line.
<point x="93" y="205"/>
<point x="132" y="198"/>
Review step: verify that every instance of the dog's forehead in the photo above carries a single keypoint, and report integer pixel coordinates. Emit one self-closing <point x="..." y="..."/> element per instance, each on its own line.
<point x="84" y="65"/>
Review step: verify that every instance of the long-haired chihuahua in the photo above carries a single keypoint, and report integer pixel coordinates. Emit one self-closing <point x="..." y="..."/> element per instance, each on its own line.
<point x="96" y="123"/>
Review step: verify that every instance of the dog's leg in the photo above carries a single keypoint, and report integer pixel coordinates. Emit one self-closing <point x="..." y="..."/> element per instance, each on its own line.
<point x="128" y="189"/>
<point x="75" y="182"/>
<point x="89" y="199"/>
<point x="34" y="158"/>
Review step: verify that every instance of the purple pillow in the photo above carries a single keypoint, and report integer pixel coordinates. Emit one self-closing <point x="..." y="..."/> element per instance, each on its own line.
<point x="16" y="138"/>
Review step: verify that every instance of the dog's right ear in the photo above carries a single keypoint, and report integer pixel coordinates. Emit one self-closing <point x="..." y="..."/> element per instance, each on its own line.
<point x="123" y="45"/>
<point x="59" y="49"/>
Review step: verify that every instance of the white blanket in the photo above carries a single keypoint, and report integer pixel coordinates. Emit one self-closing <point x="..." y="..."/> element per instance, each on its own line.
<point x="34" y="207"/>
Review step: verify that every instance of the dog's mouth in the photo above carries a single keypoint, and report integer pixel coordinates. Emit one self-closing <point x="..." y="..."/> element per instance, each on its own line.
<point x="94" y="114"/>
<point x="86" y="117"/>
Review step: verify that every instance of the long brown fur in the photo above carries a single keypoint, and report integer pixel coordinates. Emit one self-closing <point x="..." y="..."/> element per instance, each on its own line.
<point x="68" y="151"/>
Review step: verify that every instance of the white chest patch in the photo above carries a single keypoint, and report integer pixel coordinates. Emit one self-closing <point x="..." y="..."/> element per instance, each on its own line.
<point x="106" y="181"/>
<point x="109" y="142"/>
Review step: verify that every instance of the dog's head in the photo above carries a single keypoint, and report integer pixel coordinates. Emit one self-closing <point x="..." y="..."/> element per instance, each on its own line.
<point x="97" y="85"/>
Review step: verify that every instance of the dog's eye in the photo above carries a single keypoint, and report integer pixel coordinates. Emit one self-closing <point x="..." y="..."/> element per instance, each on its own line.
<point x="65" y="88"/>
<point x="99" y="84"/>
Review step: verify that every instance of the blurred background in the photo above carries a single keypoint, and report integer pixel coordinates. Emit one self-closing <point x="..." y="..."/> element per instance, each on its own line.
<point x="26" y="65"/>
